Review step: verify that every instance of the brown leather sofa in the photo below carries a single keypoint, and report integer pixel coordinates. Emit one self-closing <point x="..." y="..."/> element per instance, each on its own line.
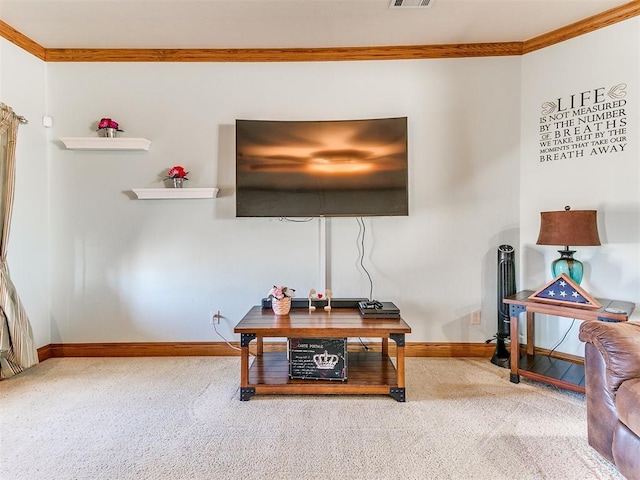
<point x="612" y="379"/>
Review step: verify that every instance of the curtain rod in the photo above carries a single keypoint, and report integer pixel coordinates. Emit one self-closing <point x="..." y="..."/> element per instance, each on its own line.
<point x="20" y="118"/>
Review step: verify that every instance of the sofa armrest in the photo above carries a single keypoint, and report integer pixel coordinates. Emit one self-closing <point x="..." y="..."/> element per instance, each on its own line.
<point x="619" y="345"/>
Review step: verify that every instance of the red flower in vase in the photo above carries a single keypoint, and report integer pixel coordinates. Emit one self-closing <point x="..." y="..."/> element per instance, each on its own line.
<point x="108" y="123"/>
<point x="177" y="172"/>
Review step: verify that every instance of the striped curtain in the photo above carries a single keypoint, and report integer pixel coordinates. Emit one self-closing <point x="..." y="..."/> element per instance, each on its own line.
<point x="17" y="349"/>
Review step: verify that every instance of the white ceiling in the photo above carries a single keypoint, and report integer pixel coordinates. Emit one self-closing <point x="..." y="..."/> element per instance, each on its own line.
<point x="287" y="23"/>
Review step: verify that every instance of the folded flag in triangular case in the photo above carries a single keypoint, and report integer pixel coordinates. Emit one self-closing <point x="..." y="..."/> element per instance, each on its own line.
<point x="564" y="291"/>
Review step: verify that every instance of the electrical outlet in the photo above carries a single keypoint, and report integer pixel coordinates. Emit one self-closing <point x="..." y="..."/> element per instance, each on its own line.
<point x="215" y="317"/>
<point x="475" y="317"/>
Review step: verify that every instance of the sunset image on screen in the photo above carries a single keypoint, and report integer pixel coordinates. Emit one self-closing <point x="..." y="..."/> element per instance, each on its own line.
<point x="353" y="167"/>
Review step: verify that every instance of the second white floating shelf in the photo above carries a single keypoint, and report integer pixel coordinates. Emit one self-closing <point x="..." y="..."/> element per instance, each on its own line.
<point x="167" y="193"/>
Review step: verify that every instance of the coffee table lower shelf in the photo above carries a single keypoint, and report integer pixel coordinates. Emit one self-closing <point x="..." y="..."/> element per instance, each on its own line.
<point x="369" y="373"/>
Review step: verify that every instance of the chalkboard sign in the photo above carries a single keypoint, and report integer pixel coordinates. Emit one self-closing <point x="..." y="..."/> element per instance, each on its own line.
<point x="318" y="358"/>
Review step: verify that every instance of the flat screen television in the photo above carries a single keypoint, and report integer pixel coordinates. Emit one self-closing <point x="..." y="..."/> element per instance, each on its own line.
<point x="326" y="168"/>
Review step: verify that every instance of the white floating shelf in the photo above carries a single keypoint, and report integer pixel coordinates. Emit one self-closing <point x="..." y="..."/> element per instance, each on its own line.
<point x="167" y="193"/>
<point x="106" y="143"/>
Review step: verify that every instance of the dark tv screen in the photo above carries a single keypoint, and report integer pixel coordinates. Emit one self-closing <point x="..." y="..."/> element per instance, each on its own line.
<point x="321" y="168"/>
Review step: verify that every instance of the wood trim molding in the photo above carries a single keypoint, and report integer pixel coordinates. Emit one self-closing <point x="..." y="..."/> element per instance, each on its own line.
<point x="332" y="54"/>
<point x="44" y="353"/>
<point x="184" y="349"/>
<point x="21" y="40"/>
<point x="435" y="349"/>
<point x="136" y="349"/>
<point x="553" y="354"/>
<point x="596" y="22"/>
<point x="409" y="52"/>
<point x="202" y="349"/>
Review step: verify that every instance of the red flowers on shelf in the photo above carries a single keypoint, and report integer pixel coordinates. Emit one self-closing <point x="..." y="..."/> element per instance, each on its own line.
<point x="177" y="172"/>
<point x="108" y="123"/>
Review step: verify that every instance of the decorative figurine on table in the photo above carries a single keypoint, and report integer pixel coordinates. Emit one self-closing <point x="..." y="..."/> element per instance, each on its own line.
<point x="312" y="292"/>
<point x="328" y="295"/>
<point x="313" y="295"/>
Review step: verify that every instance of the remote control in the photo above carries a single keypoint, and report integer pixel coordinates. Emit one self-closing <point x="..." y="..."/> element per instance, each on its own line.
<point x="614" y="310"/>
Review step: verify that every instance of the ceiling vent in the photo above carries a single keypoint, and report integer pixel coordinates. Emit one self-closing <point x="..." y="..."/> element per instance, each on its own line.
<point x="411" y="3"/>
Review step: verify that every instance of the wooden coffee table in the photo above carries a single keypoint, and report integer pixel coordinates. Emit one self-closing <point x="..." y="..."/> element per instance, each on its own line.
<point x="369" y="373"/>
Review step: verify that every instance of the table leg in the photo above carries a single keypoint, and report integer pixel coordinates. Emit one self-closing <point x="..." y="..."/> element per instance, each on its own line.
<point x="514" y="315"/>
<point x="398" y="393"/>
<point x="259" y="345"/>
<point x="246" y="392"/>
<point x="530" y="333"/>
<point x="385" y="347"/>
<point x="515" y="349"/>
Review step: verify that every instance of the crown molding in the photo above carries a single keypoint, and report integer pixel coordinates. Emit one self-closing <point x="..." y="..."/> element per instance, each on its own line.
<point x="330" y="54"/>
<point x="22" y="41"/>
<point x="596" y="22"/>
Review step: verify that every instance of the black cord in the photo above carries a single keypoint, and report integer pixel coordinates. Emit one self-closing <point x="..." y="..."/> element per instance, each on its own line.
<point x="361" y="251"/>
<point x="562" y="339"/>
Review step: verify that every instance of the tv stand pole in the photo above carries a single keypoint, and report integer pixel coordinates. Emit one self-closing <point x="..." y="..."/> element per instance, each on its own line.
<point x="324" y="255"/>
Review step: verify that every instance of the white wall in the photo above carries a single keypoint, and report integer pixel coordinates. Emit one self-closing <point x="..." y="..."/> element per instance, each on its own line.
<point x="605" y="182"/>
<point x="132" y="270"/>
<point x="23" y="88"/>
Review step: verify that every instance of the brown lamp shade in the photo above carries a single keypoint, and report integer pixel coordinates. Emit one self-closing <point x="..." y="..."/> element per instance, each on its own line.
<point x="569" y="228"/>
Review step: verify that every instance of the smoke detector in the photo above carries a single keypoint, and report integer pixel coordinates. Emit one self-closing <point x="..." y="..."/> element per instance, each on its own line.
<point x="411" y="3"/>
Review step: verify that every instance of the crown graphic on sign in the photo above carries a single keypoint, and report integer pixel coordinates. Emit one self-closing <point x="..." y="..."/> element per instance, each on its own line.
<point x="325" y="361"/>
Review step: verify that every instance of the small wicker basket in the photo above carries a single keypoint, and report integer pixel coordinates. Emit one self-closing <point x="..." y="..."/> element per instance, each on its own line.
<point x="281" y="307"/>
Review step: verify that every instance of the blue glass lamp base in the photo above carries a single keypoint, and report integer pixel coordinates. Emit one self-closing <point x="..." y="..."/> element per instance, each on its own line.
<point x="568" y="265"/>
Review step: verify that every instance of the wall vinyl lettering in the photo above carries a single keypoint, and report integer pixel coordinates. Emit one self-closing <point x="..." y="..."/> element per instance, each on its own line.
<point x="593" y="122"/>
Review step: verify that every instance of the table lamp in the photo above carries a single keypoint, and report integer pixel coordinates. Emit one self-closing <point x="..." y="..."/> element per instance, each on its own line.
<point x="568" y="227"/>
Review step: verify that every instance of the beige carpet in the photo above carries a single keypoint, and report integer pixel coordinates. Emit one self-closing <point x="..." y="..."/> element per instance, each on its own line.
<point x="180" y="418"/>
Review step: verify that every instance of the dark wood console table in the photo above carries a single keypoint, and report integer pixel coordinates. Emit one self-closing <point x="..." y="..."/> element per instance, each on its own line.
<point x="554" y="371"/>
<point x="371" y="373"/>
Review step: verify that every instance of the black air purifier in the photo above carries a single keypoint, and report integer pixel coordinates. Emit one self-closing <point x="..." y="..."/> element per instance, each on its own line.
<point x="506" y="288"/>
